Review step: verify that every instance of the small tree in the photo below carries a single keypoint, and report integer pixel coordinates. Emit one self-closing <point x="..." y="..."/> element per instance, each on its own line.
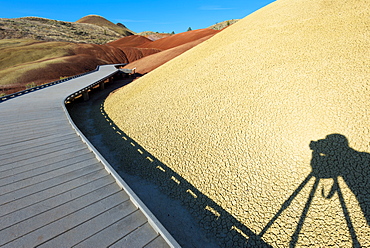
<point x="173" y="32"/>
<point x="189" y="29"/>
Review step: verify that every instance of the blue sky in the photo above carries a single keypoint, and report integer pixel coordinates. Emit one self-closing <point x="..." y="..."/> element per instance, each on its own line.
<point x="137" y="15"/>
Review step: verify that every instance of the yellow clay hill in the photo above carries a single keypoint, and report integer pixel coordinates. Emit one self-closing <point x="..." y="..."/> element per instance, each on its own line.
<point x="236" y="116"/>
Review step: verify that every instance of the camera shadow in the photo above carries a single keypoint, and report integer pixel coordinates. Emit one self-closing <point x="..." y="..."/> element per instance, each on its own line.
<point x="332" y="157"/>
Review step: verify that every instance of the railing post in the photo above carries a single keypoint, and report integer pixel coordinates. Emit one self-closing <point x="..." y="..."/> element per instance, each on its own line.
<point x="85" y="95"/>
<point x="102" y="85"/>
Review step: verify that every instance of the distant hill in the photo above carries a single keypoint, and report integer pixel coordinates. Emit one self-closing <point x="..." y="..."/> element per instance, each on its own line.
<point x="222" y="25"/>
<point x="154" y="35"/>
<point x="179" y="39"/>
<point x="43" y="29"/>
<point x="102" y="22"/>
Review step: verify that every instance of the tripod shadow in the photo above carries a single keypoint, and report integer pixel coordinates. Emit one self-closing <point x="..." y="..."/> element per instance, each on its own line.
<point x="332" y="158"/>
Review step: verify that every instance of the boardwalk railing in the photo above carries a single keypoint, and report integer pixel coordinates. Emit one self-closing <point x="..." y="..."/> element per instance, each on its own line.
<point x="153" y="221"/>
<point x="20" y="93"/>
<point x="157" y="226"/>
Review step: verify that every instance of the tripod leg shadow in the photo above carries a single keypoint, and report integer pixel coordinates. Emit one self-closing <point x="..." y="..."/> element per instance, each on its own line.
<point x="355" y="242"/>
<point x="257" y="238"/>
<point x="295" y="236"/>
<point x="287" y="203"/>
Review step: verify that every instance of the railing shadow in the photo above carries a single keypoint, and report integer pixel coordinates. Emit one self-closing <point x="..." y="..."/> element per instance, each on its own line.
<point x="333" y="158"/>
<point x="216" y="221"/>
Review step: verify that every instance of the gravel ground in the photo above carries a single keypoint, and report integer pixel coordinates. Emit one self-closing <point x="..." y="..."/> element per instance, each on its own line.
<point x="226" y="127"/>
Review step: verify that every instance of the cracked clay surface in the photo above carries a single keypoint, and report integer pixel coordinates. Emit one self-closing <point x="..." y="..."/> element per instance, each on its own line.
<point x="263" y="130"/>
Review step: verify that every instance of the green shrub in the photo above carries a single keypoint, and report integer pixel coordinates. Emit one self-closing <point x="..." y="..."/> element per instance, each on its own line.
<point x="30" y="85"/>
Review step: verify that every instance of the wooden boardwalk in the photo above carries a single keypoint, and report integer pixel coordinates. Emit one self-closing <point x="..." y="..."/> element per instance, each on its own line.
<point x="55" y="189"/>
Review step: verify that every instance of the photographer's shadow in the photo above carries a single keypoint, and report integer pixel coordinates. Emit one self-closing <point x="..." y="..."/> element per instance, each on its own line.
<point x="332" y="158"/>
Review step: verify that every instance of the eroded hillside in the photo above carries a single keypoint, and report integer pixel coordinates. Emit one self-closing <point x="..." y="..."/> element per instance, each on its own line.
<point x="31" y="62"/>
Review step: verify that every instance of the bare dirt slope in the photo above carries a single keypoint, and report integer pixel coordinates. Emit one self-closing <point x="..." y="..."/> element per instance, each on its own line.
<point x="179" y="39"/>
<point x="130" y="41"/>
<point x="171" y="47"/>
<point x="154" y="35"/>
<point x="229" y="124"/>
<point x="148" y="63"/>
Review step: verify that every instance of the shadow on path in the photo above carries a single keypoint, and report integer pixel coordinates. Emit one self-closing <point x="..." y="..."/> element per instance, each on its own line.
<point x="135" y="160"/>
<point x="212" y="217"/>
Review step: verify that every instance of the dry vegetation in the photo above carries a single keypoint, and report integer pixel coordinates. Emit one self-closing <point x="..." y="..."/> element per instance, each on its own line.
<point x="52" y="30"/>
<point x="222" y="25"/>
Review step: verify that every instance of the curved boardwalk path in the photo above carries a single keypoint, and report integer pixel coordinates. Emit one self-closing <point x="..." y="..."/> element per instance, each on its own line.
<point x="55" y="189"/>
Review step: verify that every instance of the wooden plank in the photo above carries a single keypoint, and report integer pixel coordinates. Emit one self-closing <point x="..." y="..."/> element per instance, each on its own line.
<point x="30" y="134"/>
<point x="22" y="129"/>
<point x="42" y="159"/>
<point x="42" y="186"/>
<point x="29" y="200"/>
<point x="73" y="157"/>
<point x="43" y="171"/>
<point x="158" y="242"/>
<point x="35" y="147"/>
<point x="53" y="201"/>
<point x="140" y="237"/>
<point x="42" y="153"/>
<point x="35" y="142"/>
<point x="41" y="175"/>
<point x="115" y="232"/>
<point x="24" y="119"/>
<point x="19" y="121"/>
<point x="92" y="226"/>
<point x="58" y="219"/>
